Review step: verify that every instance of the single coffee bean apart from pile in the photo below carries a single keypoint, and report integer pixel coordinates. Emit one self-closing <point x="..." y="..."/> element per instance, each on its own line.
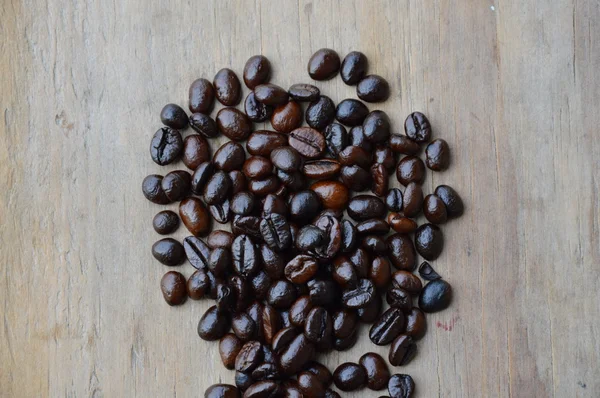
<point x="435" y="296"/>
<point x="376" y="127"/>
<point x="389" y="325"/>
<point x="373" y="88"/>
<point x="320" y="113"/>
<point x="195" y="151"/>
<point x="402" y="351"/>
<point x="349" y="377"/>
<point x="166" y="146"/>
<point x="213" y="325"/>
<point x="204" y="125"/>
<point x="256" y="71"/>
<point x="376" y="370"/>
<point x="429" y="241"/>
<point x="263" y="142"/>
<point x="222" y="391"/>
<point x="165" y="222"/>
<point x="427" y="272"/>
<point x="174" y="116"/>
<point x="287" y="117"/>
<point x="230" y="156"/>
<point x="304" y="92"/>
<point x="195" y="216"/>
<point x="229" y="347"/>
<point x="270" y="94"/>
<point x="413" y="199"/>
<point x="438" y="155"/>
<point x="227" y="87"/>
<point x="234" y="124"/>
<point x="198" y="285"/>
<point x="173" y="286"/>
<point x="434" y="209"/>
<point x="354" y="68"/>
<point x="401" y="386"/>
<point x="417" y="127"/>
<point x="201" y="96"/>
<point x="453" y="202"/>
<point x="416" y="324"/>
<point x="401" y="144"/>
<point x="324" y="64"/>
<point x="351" y="112"/>
<point x="410" y="169"/>
<point x="168" y="251"/>
<point x="256" y="110"/>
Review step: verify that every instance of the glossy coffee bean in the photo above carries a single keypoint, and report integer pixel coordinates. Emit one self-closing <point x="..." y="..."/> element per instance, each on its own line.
<point x="359" y="296"/>
<point x="256" y="110"/>
<point x="265" y="371"/>
<point x="213" y="325"/>
<point x="389" y="325"/>
<point x="373" y="226"/>
<point x="307" y="141"/>
<point x="380" y="273"/>
<point x="333" y="230"/>
<point x="324" y="64"/>
<point x="318" y="325"/>
<point x="166" y="146"/>
<point x="219" y="239"/>
<point x="322" y="292"/>
<point x="354" y="68"/>
<point x="401" y="224"/>
<point x="260" y="284"/>
<point x="399" y="298"/>
<point x="310" y="385"/>
<point x="394" y="200"/>
<point x="304" y="206"/>
<point x="371" y="312"/>
<point x="373" y="88"/>
<point x="256" y="71"/>
<point x="234" y="124"/>
<point x="273" y="262"/>
<point x="195" y="151"/>
<point x="349" y="377"/>
<point x="410" y="169"/>
<point x="263" y="186"/>
<point x="344" y="273"/>
<point x="270" y="94"/>
<point x="336" y="139"/>
<point x="437" y="155"/>
<point x="301" y="269"/>
<point x="283" y="338"/>
<point x="286" y="158"/>
<point x="229" y="347"/>
<point x="401" y="144"/>
<point x="222" y="391"/>
<point x="376" y="369"/>
<point x="453" y="202"/>
<point x="174" y="116"/>
<point x="263" y="389"/>
<point x="435" y="296"/>
<point x="427" y="272"/>
<point x="304" y="92"/>
<point x="249" y="357"/>
<point x="245" y="256"/>
<point x="320" y="113"/>
<point x="416" y="324"/>
<point x="355" y="155"/>
<point x="329" y="393"/>
<point x="255" y="311"/>
<point x="217" y="188"/>
<point x="376" y="127"/>
<point x="201" y="96"/>
<point x="413" y="199"/>
<point x="195" y="216"/>
<point x="243" y="326"/>
<point x="275" y="231"/>
<point x="176" y="185"/>
<point x="238" y="181"/>
<point x="263" y="142"/>
<point x="310" y="238"/>
<point x="221" y="212"/>
<point x="417" y="127"/>
<point x="230" y="156"/>
<point x="364" y="207"/>
<point x="197" y="252"/>
<point x="152" y="189"/>
<point x="379" y="177"/>
<point x="407" y="281"/>
<point x="385" y="156"/>
<point x="293" y="181"/>
<point x="429" y="241"/>
<point x="299" y="311"/>
<point x="243" y="203"/>
<point x="434" y="209"/>
<point x="333" y="194"/>
<point x="274" y="204"/>
<point x="361" y="260"/>
<point x="287" y="117"/>
<point x="295" y="356"/>
<point x="401" y="252"/>
<point x="219" y="262"/>
<point x="198" y="285"/>
<point x="173" y="286"/>
<point x="349" y="236"/>
<point x="402" y="350"/>
<point x="355" y="178"/>
<point x="168" y="251"/>
<point x="401" y="386"/>
<point x="165" y="222"/>
<point x="375" y="244"/>
<point x="323" y="374"/>
<point x="357" y="137"/>
<point x="282" y="294"/>
<point x="323" y="169"/>
<point x="204" y="125"/>
<point x="225" y="298"/>
<point x="201" y="176"/>
<point x="351" y="112"/>
<point x="243" y="380"/>
<point x="227" y="87"/>
<point x="344" y="323"/>
<point x="257" y="167"/>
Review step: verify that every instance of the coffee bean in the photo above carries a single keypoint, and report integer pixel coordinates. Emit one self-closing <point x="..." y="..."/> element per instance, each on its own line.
<point x="320" y="113"/>
<point x="283" y="338"/>
<point x="263" y="389"/>
<point x="357" y="138"/>
<point x="371" y="312"/>
<point x="360" y="295"/>
<point x="174" y="116"/>
<point x="219" y="238"/>
<point x="435" y="296"/>
<point x="176" y="185"/>
<point x="410" y="169"/>
<point x="351" y="112"/>
<point x="373" y="88"/>
<point x="225" y="299"/>
<point x="173" y="286"/>
<point x="234" y="124"/>
<point x="198" y="285"/>
<point x="299" y="310"/>
<point x="429" y="241"/>
<point x="393" y="200"/>
<point x="240" y="290"/>
<point x="197" y="252"/>
<point x="152" y="189"/>
<point x="349" y="377"/>
<point x="282" y="294"/>
<point x="322" y="292"/>
<point x="260" y="285"/>
<point x="307" y="141"/>
<point x="318" y="325"/>
<point x="217" y="188"/>
<point x="249" y="357"/>
<point x="265" y="371"/>
<point x="322" y="169"/>
<point x="247" y="225"/>
<point x="243" y="203"/>
<point x="323" y="374"/>
<point x="287" y="117"/>
<point x="407" y="281"/>
<point x="201" y="175"/>
<point x="373" y="226"/>
<point x="301" y="269"/>
<point x="344" y="273"/>
<point x="270" y="94"/>
<point x="389" y="325"/>
<point x="213" y="325"/>
<point x="271" y="323"/>
<point x="204" y="125"/>
<point x="354" y="68"/>
<point x="453" y="202"/>
<point x="273" y="263"/>
<point x="263" y="186"/>
<point x="401" y="386"/>
<point x="355" y="178"/>
<point x="336" y="138"/>
<point x="219" y="262"/>
<point x="201" y="96"/>
<point x="295" y="356"/>
<point x="304" y="92"/>
<point x="385" y="156"/>
<point x="245" y="256"/>
<point x="413" y="199"/>
<point x="165" y="222"/>
<point x="310" y="385"/>
<point x="349" y="236"/>
<point x="434" y="209"/>
<point x="324" y="64"/>
<point x="230" y="156"/>
<point x="227" y="87"/>
<point x="403" y="145"/>
<point x="304" y="206"/>
<point x="257" y="167"/>
<point x="376" y="370"/>
<point x="166" y="146"/>
<point x="195" y="151"/>
<point x="286" y="159"/>
<point x="380" y="273"/>
<point x="417" y="127"/>
<point x="244" y="327"/>
<point x="168" y="251"/>
<point x="256" y="71"/>
<point x="375" y="244"/>
<point x="399" y="298"/>
<point x="437" y="155"/>
<point x="195" y="216"/>
<point x="361" y="261"/>
<point x="310" y="238"/>
<point x="416" y="324"/>
<point x="229" y="347"/>
<point x="427" y="272"/>
<point x="255" y="311"/>
<point x="333" y="231"/>
<point x="402" y="351"/>
<point x="401" y="252"/>
<point x="379" y="176"/>
<point x="256" y="110"/>
<point x="401" y="224"/>
<point x="376" y="127"/>
<point x="238" y="181"/>
<point x="333" y="194"/>
<point x="222" y="391"/>
<point x="214" y="283"/>
<point x="364" y="207"/>
<point x="263" y="142"/>
<point x="345" y="323"/>
<point x="243" y="381"/>
<point x="294" y="180"/>
<point x="274" y="204"/>
<point x="354" y="155"/>
<point x="275" y="231"/>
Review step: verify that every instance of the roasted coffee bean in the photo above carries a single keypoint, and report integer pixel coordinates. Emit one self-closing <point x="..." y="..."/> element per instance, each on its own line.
<point x="245" y="256"/>
<point x="168" y="251"/>
<point x="177" y="185"/>
<point x="376" y="127"/>
<point x="375" y="244"/>
<point x="229" y="347"/>
<point x="227" y="87"/>
<point x="204" y="125"/>
<point x="376" y="369"/>
<point x="371" y="312"/>
<point x="243" y="203"/>
<point x="379" y="176"/>
<point x="333" y="194"/>
<point x="354" y="68"/>
<point x="264" y="186"/>
<point x="304" y="206"/>
<point x="434" y="209"/>
<point x="389" y="325"/>
<point x="373" y="226"/>
<point x="201" y="96"/>
<point x="318" y="325"/>
<point x="351" y="112"/>
<point x="407" y="281"/>
<point x="263" y="142"/>
<point x="310" y="385"/>
<point x="344" y="273"/>
<point x="213" y="284"/>
<point x="435" y="296"/>
<point x="355" y="178"/>
<point x="364" y="207"/>
<point x="336" y="138"/>
<point x="453" y="202"/>
<point x="265" y="371"/>
<point x="357" y="137"/>
<point x="198" y="285"/>
<point x="283" y="338"/>
<point x="173" y="286"/>
<point x="197" y="252"/>
<point x="401" y="252"/>
<point x="399" y="298"/>
<point x="437" y="155"/>
<point x="201" y="176"/>
<point x="299" y="310"/>
<point x="410" y="169"/>
<point x="221" y="212"/>
<point x="402" y="350"/>
<point x="295" y="356"/>
<point x="301" y="269"/>
<point x="260" y="285"/>
<point x="275" y="231"/>
<point x="416" y="324"/>
<point x="310" y="238"/>
<point x="294" y="181"/>
<point x="238" y="181"/>
<point x="195" y="216"/>
<point x="282" y="294"/>
<point x="349" y="377"/>
<point x="152" y="189"/>
<point x="274" y="204"/>
<point x="166" y="146"/>
<point x="271" y="323"/>
<point x="401" y="386"/>
<point x="217" y="188"/>
<point x="373" y="88"/>
<point x="243" y="326"/>
<point x="257" y="167"/>
<point x="273" y="262"/>
<point x="225" y="299"/>
<point x="344" y="323"/>
<point x="287" y="117"/>
<point x="243" y="381"/>
<point x="165" y="222"/>
<point x="429" y="241"/>
<point x="324" y="64"/>
<point x="291" y="390"/>
<point x="427" y="272"/>
<point x="270" y="94"/>
<point x="349" y="236"/>
<point x="249" y="357"/>
<point x="323" y="169"/>
<point x="230" y="156"/>
<point x="333" y="231"/>
<point x="320" y="371"/>
<point x="380" y="273"/>
<point x="247" y="225"/>
<point x="359" y="296"/>
<point x="256" y="71"/>
<point x="234" y="124"/>
<point x="403" y="145"/>
<point x="307" y="141"/>
<point x="256" y="110"/>
<point x="345" y="343"/>
<point x="361" y="261"/>
<point x="240" y="289"/>
<point x="304" y="92"/>
<point x="263" y="389"/>
<point x="195" y="151"/>
<point x="255" y="311"/>
<point x="286" y="158"/>
<point x="413" y="199"/>
<point x="174" y="116"/>
<point x="385" y="156"/>
<point x="219" y="262"/>
<point x="417" y="127"/>
<point x="213" y="325"/>
<point x="320" y="113"/>
<point x="222" y="391"/>
<point x="393" y="200"/>
<point x="322" y="292"/>
<point x="355" y="155"/>
<point x="401" y="224"/>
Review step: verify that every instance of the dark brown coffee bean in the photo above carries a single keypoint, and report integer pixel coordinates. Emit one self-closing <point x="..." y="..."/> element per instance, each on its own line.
<point x="257" y="167"/>
<point x="351" y="112"/>
<point x="222" y="391"/>
<point x="310" y="238"/>
<point x="401" y="224"/>
<point x="243" y="326"/>
<point x="265" y="371"/>
<point x="354" y="68"/>
<point x="283" y="338"/>
<point x="221" y="212"/>
<point x="318" y="325"/>
<point x="429" y="241"/>
<point x="198" y="285"/>
<point x="273" y="262"/>
<point x="357" y="137"/>
<point x="427" y="272"/>
<point x="197" y="252"/>
<point x="165" y="222"/>
<point x="177" y="185"/>
<point x="219" y="262"/>
<point x="304" y="92"/>
<point x="373" y="88"/>
<point x="286" y="158"/>
<point x="380" y="273"/>
<point x="204" y="125"/>
<point x="355" y="178"/>
<point x="344" y="323"/>
<point x="214" y="283"/>
<point x="247" y="225"/>
<point x="324" y="64"/>
<point x="282" y="294"/>
<point x="213" y="325"/>
<point x="407" y="281"/>
<point x="255" y="110"/>
<point x="264" y="186"/>
<point x="256" y="71"/>
<point x="349" y="236"/>
<point x="322" y="292"/>
<point x="229" y="347"/>
<point x="168" y="251"/>
<point x="275" y="231"/>
<point x="295" y="356"/>
<point x="274" y="204"/>
<point x="336" y="139"/>
<point x="371" y="312"/>
<point x="361" y="261"/>
<point x="234" y="124"/>
<point x="270" y="94"/>
<point x="399" y="298"/>
<point x="195" y="216"/>
<point x="201" y="96"/>
<point x="345" y="343"/>
<point x="243" y="381"/>
<point x="227" y="86"/>
<point x="376" y="369"/>
<point x="304" y="206"/>
<point x="453" y="202"/>
<point x="245" y="256"/>
<point x="349" y="377"/>
<point x="217" y="188"/>
<point x="195" y="151"/>
<point x="435" y="296"/>
<point x="230" y="156"/>
<point x="152" y="189"/>
<point x="355" y="155"/>
<point x="243" y="203"/>
<point x="219" y="238"/>
<point x="287" y="117"/>
<point x="263" y="142"/>
<point x="359" y="296"/>
<point x="203" y="173"/>
<point x="310" y="385"/>
<point x="417" y="127"/>
<point x="173" y="286"/>
<point x="401" y="252"/>
<point x="379" y="176"/>
<point x="320" y="113"/>
<point x="373" y="226"/>
<point x="437" y="155"/>
<point x="271" y="323"/>
<point x="307" y="141"/>
<point x="238" y="181"/>
<point x="403" y="145"/>
<point x="402" y="350"/>
<point x="174" y="116"/>
<point x="413" y="199"/>
<point x="333" y="194"/>
<point x="394" y="200"/>
<point x="301" y="269"/>
<point x="225" y="299"/>
<point x="294" y="181"/>
<point x="255" y="311"/>
<point x="410" y="169"/>
<point x="375" y="244"/>
<point x="401" y="386"/>
<point x="389" y="325"/>
<point x="416" y="324"/>
<point x="299" y="310"/>
<point x="333" y="231"/>
<point x="241" y="291"/>
<point x="364" y="207"/>
<point x="385" y="156"/>
<point x="263" y="389"/>
<point x="166" y="146"/>
<point x="260" y="285"/>
<point x="344" y="273"/>
<point x="322" y="169"/>
<point x="249" y="357"/>
<point x="434" y="209"/>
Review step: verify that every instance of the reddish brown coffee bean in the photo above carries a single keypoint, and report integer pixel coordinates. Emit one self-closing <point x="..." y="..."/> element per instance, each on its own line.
<point x="344" y="273"/>
<point x="417" y="127"/>
<point x="437" y="155"/>
<point x="307" y="141"/>
<point x="324" y="64"/>
<point x="413" y="200"/>
<point x="333" y="194"/>
<point x="322" y="169"/>
<point x="380" y="273"/>
<point x="403" y="145"/>
<point x="401" y="224"/>
<point x="249" y="357"/>
<point x="257" y="167"/>
<point x="299" y="310"/>
<point x="434" y="209"/>
<point x="262" y="142"/>
<point x="301" y="269"/>
<point x="399" y="298"/>
<point x="416" y="324"/>
<point x="230" y="156"/>
<point x="287" y="117"/>
<point x="173" y="286"/>
<point x="263" y="187"/>
<point x="256" y="71"/>
<point x="407" y="281"/>
<point x="198" y="285"/>
<point x="227" y="86"/>
<point x="379" y="177"/>
<point x="401" y="252"/>
<point x="355" y="155"/>
<point x="234" y="124"/>
<point x="270" y="94"/>
<point x="376" y="369"/>
<point x="410" y="169"/>
<point x="201" y="96"/>
<point x="229" y="347"/>
<point x="195" y="151"/>
<point x="195" y="216"/>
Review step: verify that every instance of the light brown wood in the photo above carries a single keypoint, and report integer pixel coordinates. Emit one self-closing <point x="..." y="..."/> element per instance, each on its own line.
<point x="511" y="85"/>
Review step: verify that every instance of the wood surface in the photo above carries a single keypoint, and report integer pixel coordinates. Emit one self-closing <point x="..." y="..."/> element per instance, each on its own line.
<point x="512" y="86"/>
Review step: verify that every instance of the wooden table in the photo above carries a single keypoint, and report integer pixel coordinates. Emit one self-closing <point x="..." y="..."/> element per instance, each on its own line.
<point x="511" y="85"/>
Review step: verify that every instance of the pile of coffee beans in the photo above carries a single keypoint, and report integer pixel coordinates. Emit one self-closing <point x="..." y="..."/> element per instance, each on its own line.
<point x="314" y="240"/>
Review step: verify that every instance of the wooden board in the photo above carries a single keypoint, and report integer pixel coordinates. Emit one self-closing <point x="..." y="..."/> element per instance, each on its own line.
<point x="511" y="85"/>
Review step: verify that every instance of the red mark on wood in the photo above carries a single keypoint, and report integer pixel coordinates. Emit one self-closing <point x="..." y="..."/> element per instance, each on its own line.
<point x="447" y="326"/>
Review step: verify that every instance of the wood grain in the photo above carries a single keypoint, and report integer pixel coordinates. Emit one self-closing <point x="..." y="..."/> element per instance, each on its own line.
<point x="511" y="85"/>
